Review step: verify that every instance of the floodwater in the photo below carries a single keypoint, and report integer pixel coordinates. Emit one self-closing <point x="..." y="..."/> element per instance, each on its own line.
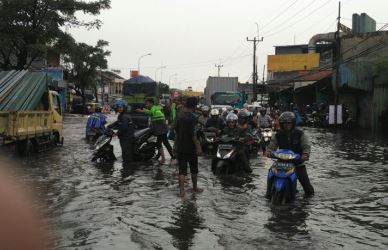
<point x="108" y="207"/>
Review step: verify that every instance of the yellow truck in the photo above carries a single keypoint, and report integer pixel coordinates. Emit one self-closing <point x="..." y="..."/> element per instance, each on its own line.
<point x="32" y="130"/>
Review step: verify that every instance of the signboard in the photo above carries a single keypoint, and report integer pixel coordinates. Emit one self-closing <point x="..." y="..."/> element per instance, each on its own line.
<point x="55" y="73"/>
<point x="293" y="62"/>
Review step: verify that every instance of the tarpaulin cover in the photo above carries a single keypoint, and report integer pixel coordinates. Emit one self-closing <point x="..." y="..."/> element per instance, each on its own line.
<point x="21" y="90"/>
<point x="140" y="84"/>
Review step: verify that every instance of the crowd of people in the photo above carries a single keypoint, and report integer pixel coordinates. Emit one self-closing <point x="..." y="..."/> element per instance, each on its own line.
<point x="183" y="121"/>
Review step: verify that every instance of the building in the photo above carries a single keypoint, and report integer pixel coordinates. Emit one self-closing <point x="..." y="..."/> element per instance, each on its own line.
<point x="112" y="85"/>
<point x="295" y="73"/>
<point x="364" y="77"/>
<point x="305" y="74"/>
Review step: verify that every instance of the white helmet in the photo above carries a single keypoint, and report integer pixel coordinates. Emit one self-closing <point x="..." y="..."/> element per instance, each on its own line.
<point x="231" y="117"/>
<point x="214" y="112"/>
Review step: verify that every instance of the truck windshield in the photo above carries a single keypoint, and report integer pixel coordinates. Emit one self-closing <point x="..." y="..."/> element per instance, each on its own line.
<point x="226" y="99"/>
<point x="148" y="89"/>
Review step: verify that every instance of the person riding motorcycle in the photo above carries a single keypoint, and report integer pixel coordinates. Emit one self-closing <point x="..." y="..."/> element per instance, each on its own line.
<point x="234" y="129"/>
<point x="245" y="107"/>
<point x="231" y="125"/>
<point x="95" y="125"/>
<point x="224" y="113"/>
<point x="125" y="132"/>
<point x="202" y="119"/>
<point x="244" y="133"/>
<point x="290" y="137"/>
<point x="264" y="120"/>
<point x="215" y="121"/>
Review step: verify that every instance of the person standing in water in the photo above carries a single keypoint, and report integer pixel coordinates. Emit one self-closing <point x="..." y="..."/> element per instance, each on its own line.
<point x="187" y="145"/>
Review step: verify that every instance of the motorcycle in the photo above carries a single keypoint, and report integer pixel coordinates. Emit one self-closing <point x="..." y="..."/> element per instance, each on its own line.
<point x="256" y="145"/>
<point x="282" y="179"/>
<point x="144" y="148"/>
<point x="209" y="141"/>
<point x="226" y="160"/>
<point x="103" y="150"/>
<point x="266" y="135"/>
<point x="309" y="120"/>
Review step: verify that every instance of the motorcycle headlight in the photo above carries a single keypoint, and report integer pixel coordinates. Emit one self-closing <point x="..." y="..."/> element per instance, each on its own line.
<point x="269" y="134"/>
<point x="228" y="155"/>
<point x="265" y="134"/>
<point x="210" y="139"/>
<point x="152" y="139"/>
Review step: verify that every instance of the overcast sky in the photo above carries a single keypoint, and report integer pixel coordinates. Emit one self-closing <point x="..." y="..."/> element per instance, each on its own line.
<point x="190" y="36"/>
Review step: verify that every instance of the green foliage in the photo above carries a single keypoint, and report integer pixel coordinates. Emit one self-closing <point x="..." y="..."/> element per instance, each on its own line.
<point x="85" y="61"/>
<point x="29" y="27"/>
<point x="163" y="88"/>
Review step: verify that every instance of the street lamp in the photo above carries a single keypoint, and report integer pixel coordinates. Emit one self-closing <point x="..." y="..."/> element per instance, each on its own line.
<point x="156" y="70"/>
<point x="169" y="79"/>
<point x="138" y="61"/>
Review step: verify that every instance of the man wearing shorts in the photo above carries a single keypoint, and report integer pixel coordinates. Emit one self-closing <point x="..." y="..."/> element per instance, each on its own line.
<point x="187" y="145"/>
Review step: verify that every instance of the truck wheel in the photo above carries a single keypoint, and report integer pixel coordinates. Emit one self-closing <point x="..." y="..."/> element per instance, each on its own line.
<point x="57" y="140"/>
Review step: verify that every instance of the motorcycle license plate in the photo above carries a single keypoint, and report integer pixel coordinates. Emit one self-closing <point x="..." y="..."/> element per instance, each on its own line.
<point x="225" y="146"/>
<point x="284" y="165"/>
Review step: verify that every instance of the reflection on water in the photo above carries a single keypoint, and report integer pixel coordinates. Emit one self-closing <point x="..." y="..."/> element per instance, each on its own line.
<point x="96" y="206"/>
<point x="289" y="220"/>
<point x="186" y="222"/>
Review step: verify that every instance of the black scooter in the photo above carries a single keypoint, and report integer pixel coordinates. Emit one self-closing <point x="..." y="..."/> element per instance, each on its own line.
<point x="227" y="159"/>
<point x="144" y="148"/>
<point x="103" y="150"/>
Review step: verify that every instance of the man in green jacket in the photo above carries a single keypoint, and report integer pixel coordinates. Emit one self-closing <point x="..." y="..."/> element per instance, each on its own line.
<point x="158" y="126"/>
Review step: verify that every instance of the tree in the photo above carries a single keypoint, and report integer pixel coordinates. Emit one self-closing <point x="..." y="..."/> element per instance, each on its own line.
<point x="29" y="27"/>
<point x="84" y="64"/>
<point x="163" y="88"/>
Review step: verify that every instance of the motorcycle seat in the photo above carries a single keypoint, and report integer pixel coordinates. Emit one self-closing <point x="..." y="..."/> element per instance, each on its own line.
<point x="141" y="132"/>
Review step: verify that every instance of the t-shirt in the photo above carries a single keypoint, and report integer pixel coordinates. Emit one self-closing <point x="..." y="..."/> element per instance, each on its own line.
<point x="264" y="121"/>
<point x="185" y="131"/>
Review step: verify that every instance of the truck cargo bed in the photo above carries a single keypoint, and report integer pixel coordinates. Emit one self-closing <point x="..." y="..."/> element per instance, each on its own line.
<point x="20" y="125"/>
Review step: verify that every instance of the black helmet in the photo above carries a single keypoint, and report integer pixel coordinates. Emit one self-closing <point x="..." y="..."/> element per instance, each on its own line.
<point x="242" y="117"/>
<point x="263" y="111"/>
<point x="98" y="109"/>
<point x="287" y="117"/>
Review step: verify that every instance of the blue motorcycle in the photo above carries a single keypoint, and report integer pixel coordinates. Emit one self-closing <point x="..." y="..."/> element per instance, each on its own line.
<point x="282" y="177"/>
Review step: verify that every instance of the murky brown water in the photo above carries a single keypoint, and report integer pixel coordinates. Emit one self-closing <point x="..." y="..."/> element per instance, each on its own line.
<point x="108" y="207"/>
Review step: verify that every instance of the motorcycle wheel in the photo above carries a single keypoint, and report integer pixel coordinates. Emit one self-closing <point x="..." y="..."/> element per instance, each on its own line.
<point x="147" y="151"/>
<point x="278" y="198"/>
<point x="221" y="168"/>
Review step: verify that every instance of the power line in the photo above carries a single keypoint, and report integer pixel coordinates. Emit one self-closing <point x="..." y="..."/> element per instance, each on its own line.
<point x="299" y="20"/>
<point x="187" y="65"/>
<point x="295" y="14"/>
<point x="364" y="40"/>
<point x="281" y="13"/>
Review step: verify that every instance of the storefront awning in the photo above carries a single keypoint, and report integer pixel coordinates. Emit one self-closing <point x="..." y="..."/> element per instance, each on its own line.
<point x="303" y="84"/>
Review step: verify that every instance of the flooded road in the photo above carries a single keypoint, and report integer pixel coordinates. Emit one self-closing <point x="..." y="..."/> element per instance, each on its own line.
<point x="108" y="207"/>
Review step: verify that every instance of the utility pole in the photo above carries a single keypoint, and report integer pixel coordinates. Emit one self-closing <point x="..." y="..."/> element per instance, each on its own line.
<point x="338" y="64"/>
<point x="219" y="66"/>
<point x="262" y="86"/>
<point x="255" y="41"/>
